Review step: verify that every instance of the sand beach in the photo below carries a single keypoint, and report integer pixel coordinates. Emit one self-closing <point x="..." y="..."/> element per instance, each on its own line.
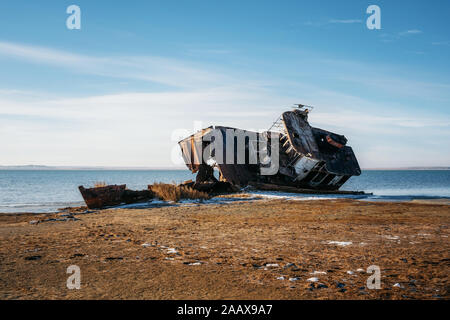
<point x="244" y="249"/>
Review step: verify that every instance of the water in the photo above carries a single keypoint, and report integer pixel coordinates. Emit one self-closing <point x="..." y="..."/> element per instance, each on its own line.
<point x="398" y="184"/>
<point x="48" y="190"/>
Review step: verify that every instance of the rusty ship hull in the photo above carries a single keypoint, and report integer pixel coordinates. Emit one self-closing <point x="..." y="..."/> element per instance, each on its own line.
<point x="308" y="158"/>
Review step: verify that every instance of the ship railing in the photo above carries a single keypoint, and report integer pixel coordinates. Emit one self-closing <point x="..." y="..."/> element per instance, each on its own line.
<point x="278" y="126"/>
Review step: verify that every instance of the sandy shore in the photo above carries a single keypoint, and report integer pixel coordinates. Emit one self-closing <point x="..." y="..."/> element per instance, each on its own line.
<point x="242" y="250"/>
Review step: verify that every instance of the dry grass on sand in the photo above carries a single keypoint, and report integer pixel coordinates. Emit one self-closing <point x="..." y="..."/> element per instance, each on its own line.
<point x="173" y="192"/>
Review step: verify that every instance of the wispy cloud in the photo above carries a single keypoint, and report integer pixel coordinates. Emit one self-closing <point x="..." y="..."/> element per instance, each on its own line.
<point x="345" y="21"/>
<point x="210" y="51"/>
<point x="155" y="69"/>
<point x="410" y="32"/>
<point x="441" y="43"/>
<point x="331" y="21"/>
<point x="391" y="37"/>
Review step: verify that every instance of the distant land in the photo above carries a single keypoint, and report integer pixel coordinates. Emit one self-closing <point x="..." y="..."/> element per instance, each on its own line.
<point x="43" y="167"/>
<point x="410" y="168"/>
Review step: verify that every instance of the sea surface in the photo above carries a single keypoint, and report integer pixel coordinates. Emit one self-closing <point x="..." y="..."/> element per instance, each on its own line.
<point x="48" y="190"/>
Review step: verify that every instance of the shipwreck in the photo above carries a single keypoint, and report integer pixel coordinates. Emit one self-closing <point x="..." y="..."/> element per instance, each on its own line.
<point x="291" y="156"/>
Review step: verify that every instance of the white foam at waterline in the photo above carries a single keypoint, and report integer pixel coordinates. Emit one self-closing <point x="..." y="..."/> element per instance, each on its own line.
<point x="171" y="250"/>
<point x="142" y="205"/>
<point x="294" y="279"/>
<point x="288" y="196"/>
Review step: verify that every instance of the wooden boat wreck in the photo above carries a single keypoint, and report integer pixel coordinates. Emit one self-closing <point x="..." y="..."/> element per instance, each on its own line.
<point x="308" y="158"/>
<point x="113" y="195"/>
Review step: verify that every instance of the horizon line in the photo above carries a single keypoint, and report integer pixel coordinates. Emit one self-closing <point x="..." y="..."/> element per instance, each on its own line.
<point x="77" y="167"/>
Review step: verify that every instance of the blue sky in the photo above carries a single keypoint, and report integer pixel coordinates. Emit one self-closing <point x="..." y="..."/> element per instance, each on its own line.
<point x="141" y="74"/>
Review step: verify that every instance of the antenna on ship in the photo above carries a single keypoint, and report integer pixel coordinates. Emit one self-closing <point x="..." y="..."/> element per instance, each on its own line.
<point x="303" y="110"/>
<point x="303" y="107"/>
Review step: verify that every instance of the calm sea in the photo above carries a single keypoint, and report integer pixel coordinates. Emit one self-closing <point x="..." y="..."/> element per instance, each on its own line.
<point x="48" y="190"/>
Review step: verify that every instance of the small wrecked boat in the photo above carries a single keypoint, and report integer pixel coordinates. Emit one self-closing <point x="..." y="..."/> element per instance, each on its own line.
<point x="113" y="195"/>
<point x="291" y="155"/>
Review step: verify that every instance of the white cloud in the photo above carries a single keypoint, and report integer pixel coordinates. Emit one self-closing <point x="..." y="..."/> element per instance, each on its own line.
<point x="126" y="129"/>
<point x="134" y="129"/>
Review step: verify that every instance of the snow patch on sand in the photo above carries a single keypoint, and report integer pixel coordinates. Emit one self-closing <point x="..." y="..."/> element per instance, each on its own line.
<point x="318" y="272"/>
<point x="288" y="196"/>
<point x="340" y="243"/>
<point x="313" y="279"/>
<point x="392" y="237"/>
<point x="272" y="265"/>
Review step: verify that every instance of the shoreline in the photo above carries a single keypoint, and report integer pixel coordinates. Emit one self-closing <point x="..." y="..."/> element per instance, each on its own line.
<point x="265" y="249"/>
<point x="181" y="168"/>
<point x="257" y="195"/>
